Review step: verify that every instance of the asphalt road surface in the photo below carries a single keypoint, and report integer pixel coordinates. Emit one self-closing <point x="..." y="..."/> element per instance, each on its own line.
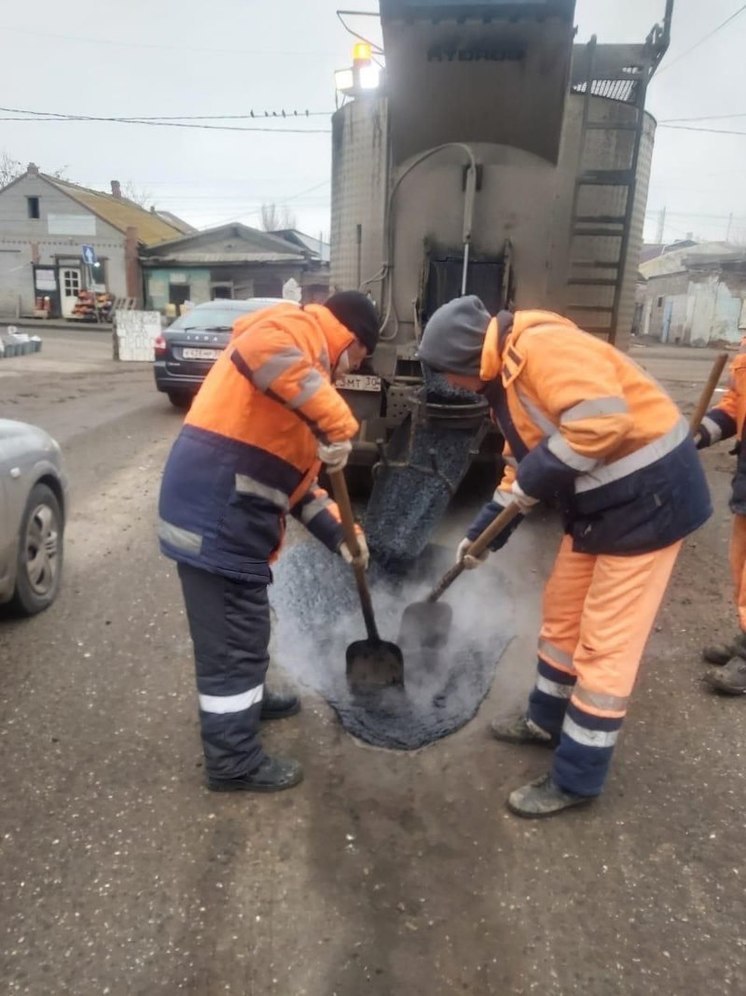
<point x="384" y="874"/>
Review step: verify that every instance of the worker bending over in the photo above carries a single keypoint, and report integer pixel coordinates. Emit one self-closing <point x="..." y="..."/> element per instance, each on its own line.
<point x="587" y="429"/>
<point x="265" y="419"/>
<point x="725" y="421"/>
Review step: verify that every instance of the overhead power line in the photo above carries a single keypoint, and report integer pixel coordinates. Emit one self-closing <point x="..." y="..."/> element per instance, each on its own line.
<point x="702" y="117"/>
<point x="19" y="114"/>
<point x="701" y="41"/>
<point x="709" y="131"/>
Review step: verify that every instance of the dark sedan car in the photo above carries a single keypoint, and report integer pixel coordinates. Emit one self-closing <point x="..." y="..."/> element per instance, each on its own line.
<point x="185" y="351"/>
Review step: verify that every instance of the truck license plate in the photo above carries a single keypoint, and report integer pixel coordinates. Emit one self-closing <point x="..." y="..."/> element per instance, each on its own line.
<point x="360" y="382"/>
<point x="200" y="354"/>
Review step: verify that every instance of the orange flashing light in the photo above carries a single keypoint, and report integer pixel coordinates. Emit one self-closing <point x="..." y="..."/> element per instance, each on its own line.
<point x="362" y="53"/>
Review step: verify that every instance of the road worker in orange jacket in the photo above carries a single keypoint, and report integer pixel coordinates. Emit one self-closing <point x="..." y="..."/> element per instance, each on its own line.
<point x="587" y="429"/>
<point x="725" y="421"/>
<point x="265" y="420"/>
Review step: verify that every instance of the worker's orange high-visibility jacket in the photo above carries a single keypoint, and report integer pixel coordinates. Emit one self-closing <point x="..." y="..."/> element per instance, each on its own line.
<point x="586" y="428"/>
<point x="727" y="419"/>
<point x="247" y="452"/>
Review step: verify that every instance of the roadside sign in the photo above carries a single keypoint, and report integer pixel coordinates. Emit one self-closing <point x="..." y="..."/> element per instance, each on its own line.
<point x="89" y="255"/>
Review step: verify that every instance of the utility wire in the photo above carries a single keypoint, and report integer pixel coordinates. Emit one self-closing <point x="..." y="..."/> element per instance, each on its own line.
<point x="251" y="116"/>
<point x="703" y="117"/>
<point x="709" y="131"/>
<point x="24" y="115"/>
<point x="701" y="41"/>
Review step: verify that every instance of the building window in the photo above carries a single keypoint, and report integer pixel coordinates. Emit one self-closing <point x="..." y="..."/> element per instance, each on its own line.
<point x="32" y="203"/>
<point x="660" y="302"/>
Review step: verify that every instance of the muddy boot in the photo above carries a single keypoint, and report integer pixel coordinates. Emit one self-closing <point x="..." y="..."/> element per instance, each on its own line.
<point x="722" y="653"/>
<point x="521" y="730"/>
<point x="731" y="679"/>
<point x="274" y="774"/>
<point x="279" y="705"/>
<point x="543" y="798"/>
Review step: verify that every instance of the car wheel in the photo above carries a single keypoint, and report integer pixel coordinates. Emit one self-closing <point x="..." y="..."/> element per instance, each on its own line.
<point x="182" y="401"/>
<point x="39" y="565"/>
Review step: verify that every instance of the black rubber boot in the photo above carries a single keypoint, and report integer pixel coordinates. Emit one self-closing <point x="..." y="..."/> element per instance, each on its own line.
<point x="279" y="705"/>
<point x="521" y="730"/>
<point x="542" y="798"/>
<point x="274" y="774"/>
<point x="722" y="653"/>
<point x="730" y="679"/>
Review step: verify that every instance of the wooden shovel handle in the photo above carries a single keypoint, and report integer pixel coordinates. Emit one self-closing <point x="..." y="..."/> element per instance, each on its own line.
<point x="480" y="544"/>
<point x="342" y="498"/>
<point x="709" y="389"/>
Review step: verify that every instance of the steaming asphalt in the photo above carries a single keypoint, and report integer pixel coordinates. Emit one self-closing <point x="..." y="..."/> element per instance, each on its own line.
<point x="387" y="873"/>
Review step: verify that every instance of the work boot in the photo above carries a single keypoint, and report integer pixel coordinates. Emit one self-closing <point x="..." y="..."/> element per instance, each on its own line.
<point x="279" y="705"/>
<point x="731" y="679"/>
<point x="542" y="798"/>
<point x="274" y="774"/>
<point x="722" y="653"/>
<point x="521" y="730"/>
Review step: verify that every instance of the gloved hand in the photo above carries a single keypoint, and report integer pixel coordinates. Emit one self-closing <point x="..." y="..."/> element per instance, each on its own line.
<point x="699" y="440"/>
<point x="470" y="563"/>
<point x="335" y="455"/>
<point x="346" y="555"/>
<point x="523" y="501"/>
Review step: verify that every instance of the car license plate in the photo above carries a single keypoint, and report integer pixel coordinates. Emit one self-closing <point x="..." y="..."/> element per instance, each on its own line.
<point x="189" y="353"/>
<point x="360" y="382"/>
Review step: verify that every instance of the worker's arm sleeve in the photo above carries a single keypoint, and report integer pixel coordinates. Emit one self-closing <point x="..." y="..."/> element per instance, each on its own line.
<point x="588" y="416"/>
<point x="320" y="515"/>
<point x="721" y="422"/>
<point x="274" y="362"/>
<point x="500" y="501"/>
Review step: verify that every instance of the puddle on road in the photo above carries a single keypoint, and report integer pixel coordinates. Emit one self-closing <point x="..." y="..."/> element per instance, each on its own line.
<point x="318" y="615"/>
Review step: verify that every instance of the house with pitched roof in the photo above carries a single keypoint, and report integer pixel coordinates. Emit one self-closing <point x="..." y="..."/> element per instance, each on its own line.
<point x="45" y="223"/>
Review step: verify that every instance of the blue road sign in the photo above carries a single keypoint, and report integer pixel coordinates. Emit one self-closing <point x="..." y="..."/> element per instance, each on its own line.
<point x="89" y="255"/>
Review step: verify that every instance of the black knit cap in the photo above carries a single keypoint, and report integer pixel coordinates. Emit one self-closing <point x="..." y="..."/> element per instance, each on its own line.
<point x="358" y="314"/>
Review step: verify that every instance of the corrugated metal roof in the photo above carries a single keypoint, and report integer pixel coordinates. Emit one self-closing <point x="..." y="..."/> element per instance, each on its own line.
<point x="119" y="212"/>
<point x="199" y="258"/>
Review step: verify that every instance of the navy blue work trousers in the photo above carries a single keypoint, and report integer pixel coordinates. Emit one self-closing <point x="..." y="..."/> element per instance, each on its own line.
<point x="230" y="625"/>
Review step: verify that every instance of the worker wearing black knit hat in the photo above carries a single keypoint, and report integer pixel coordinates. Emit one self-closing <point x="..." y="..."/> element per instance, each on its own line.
<point x="358" y="314"/>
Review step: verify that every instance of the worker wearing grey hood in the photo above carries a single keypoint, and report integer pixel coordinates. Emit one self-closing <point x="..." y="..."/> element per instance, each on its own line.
<point x="586" y="429"/>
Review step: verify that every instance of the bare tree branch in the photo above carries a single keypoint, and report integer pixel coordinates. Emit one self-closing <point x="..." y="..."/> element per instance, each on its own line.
<point x="276" y="218"/>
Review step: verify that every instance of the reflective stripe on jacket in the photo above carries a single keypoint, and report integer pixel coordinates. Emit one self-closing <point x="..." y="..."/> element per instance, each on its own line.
<point x="246" y="455"/>
<point x="728" y="419"/>
<point x="589" y="428"/>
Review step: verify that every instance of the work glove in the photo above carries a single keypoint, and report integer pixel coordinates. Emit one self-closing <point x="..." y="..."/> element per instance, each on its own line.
<point x="334" y="455"/>
<point x="470" y="562"/>
<point x="523" y="501"/>
<point x="346" y="555"/>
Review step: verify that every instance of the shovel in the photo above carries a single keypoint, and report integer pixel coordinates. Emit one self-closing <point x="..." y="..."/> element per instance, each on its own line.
<point x="373" y="663"/>
<point x="428" y="623"/>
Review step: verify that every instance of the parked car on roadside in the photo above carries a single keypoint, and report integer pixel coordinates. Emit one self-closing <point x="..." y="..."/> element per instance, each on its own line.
<point x="185" y="351"/>
<point x="33" y="490"/>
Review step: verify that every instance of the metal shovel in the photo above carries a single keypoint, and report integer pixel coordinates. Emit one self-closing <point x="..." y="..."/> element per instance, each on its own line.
<point x="428" y="623"/>
<point x="373" y="663"/>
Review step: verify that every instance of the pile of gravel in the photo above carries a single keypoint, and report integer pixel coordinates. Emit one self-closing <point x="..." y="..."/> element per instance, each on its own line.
<point x="407" y="502"/>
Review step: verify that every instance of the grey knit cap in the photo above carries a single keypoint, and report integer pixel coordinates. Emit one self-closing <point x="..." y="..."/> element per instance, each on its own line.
<point x="454" y="337"/>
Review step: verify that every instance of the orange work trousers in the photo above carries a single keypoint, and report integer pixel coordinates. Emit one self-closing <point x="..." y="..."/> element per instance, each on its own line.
<point x="738" y="566"/>
<point x="597" y="616"/>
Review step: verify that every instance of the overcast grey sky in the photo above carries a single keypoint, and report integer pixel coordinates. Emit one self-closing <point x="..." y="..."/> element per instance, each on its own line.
<point x="190" y="57"/>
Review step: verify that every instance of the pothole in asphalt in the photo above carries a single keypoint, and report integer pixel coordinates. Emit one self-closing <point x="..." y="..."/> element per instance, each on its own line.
<point x="318" y="615"/>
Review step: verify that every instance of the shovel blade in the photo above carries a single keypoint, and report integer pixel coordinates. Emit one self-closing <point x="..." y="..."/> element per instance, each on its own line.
<point x="426" y="624"/>
<point x="374" y="664"/>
